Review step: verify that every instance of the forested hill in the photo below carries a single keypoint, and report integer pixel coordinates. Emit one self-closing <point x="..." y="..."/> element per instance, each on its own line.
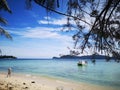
<point x="7" y="57"/>
<point x="82" y="57"/>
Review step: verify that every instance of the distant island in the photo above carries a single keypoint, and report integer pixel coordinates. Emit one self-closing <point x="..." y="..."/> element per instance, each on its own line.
<point x="7" y="57"/>
<point x="83" y="57"/>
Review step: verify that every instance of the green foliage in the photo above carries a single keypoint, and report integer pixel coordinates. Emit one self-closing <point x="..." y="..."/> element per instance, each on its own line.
<point x="4" y="6"/>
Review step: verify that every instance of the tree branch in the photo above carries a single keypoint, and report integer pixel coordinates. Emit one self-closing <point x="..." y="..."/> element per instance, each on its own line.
<point x="63" y="13"/>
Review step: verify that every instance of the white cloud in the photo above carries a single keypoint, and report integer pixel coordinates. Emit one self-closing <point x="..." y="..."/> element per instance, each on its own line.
<point x="63" y="20"/>
<point x="54" y="21"/>
<point x="42" y="33"/>
<point x="44" y="36"/>
<point x="38" y="32"/>
<point x="57" y="43"/>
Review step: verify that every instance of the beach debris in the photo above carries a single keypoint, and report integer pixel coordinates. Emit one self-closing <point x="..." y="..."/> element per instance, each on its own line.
<point x="25" y="87"/>
<point x="9" y="86"/>
<point x="32" y="81"/>
<point x="24" y="83"/>
<point x="59" y="88"/>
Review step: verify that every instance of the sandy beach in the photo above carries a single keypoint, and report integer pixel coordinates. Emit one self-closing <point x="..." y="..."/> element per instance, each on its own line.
<point x="28" y="82"/>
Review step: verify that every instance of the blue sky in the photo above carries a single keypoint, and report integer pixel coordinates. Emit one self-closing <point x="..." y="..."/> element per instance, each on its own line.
<point x="34" y="34"/>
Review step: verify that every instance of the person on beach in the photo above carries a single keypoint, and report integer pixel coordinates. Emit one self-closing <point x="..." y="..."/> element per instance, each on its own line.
<point x="9" y="72"/>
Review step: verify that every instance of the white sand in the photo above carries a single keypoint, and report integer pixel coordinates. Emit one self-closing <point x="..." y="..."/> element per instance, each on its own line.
<point x="28" y="82"/>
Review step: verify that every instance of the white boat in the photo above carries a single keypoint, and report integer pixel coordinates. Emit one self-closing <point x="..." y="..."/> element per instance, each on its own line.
<point x="82" y="63"/>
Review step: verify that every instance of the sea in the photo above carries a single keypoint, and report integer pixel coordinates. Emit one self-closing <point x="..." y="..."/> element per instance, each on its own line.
<point x="99" y="73"/>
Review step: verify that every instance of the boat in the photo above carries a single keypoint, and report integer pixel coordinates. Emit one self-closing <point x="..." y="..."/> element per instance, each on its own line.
<point x="93" y="60"/>
<point x="82" y="63"/>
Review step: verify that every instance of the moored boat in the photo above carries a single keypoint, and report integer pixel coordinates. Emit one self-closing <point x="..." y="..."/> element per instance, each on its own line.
<point x="82" y="63"/>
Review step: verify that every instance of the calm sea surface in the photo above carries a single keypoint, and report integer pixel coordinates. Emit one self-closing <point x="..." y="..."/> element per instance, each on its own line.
<point x="101" y="73"/>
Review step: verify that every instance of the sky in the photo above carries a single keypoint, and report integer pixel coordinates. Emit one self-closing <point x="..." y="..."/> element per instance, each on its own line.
<point x="35" y="33"/>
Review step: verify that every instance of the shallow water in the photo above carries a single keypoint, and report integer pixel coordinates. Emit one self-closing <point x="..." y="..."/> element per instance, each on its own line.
<point x="101" y="73"/>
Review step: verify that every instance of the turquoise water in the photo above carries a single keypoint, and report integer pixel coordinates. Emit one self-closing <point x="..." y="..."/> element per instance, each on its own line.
<point x="101" y="73"/>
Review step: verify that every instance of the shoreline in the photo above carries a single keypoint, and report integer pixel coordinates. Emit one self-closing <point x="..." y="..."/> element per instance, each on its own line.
<point x="34" y="82"/>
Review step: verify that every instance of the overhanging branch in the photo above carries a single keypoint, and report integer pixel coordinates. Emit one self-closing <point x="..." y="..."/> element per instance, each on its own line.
<point x="63" y="13"/>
